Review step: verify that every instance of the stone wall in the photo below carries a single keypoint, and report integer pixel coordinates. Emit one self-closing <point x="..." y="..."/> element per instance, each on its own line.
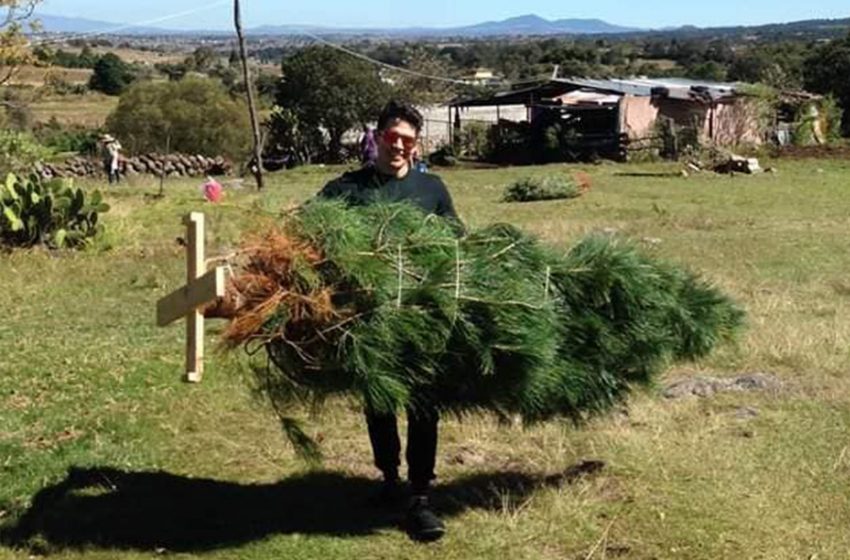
<point x="171" y="165"/>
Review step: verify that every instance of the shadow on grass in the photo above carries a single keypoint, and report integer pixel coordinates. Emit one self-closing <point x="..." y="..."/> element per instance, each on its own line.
<point x="114" y="509"/>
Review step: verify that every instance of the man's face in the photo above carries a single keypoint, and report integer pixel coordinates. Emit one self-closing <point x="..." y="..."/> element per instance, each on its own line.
<point x="395" y="145"/>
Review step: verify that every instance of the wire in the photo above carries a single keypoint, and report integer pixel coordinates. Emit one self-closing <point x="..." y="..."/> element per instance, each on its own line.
<point x="303" y="32"/>
<point x="379" y="62"/>
<point x="131" y="25"/>
<point x="398" y="68"/>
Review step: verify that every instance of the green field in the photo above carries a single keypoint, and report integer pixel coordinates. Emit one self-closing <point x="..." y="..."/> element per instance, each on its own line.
<point x="160" y="467"/>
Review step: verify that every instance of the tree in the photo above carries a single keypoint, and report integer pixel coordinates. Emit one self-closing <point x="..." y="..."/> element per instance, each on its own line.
<point x="421" y="90"/>
<point x="202" y="59"/>
<point x="827" y="71"/>
<point x="196" y="115"/>
<point x="709" y="70"/>
<point x="111" y="75"/>
<point x="330" y="91"/>
<point x="14" y="46"/>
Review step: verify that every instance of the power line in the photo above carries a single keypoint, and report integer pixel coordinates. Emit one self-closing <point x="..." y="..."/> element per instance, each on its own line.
<point x="380" y="62"/>
<point x="174" y="15"/>
<point x="303" y="32"/>
<point x="398" y="68"/>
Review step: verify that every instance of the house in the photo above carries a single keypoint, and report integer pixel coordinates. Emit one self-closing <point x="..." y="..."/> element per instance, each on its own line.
<point x="483" y="77"/>
<point x="612" y="117"/>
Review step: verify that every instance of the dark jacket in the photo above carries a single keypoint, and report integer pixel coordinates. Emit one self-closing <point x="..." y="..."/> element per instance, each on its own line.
<point x="368" y="185"/>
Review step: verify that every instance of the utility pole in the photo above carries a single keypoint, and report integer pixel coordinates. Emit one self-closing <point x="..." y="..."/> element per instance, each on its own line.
<point x="255" y="126"/>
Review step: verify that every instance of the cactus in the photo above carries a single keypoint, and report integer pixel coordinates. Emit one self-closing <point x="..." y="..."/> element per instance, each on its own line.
<point x="51" y="213"/>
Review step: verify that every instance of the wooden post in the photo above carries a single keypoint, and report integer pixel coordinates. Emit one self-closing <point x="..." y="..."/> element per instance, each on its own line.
<point x="451" y="131"/>
<point x="201" y="287"/>
<point x="195" y="319"/>
<point x="162" y="173"/>
<point x="249" y="88"/>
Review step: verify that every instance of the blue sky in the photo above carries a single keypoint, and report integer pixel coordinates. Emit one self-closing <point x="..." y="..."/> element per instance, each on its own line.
<point x="446" y="13"/>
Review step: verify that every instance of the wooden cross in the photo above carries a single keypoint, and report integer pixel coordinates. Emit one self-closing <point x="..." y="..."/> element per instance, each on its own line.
<point x="201" y="287"/>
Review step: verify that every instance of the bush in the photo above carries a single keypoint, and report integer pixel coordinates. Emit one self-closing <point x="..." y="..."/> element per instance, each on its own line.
<point x="444" y="156"/>
<point x="194" y="116"/>
<point x="535" y="188"/>
<point x="472" y="141"/>
<point x="111" y="75"/>
<point x="831" y="115"/>
<point x="510" y="143"/>
<point x="51" y="213"/>
<point x="61" y="138"/>
<point x="19" y="151"/>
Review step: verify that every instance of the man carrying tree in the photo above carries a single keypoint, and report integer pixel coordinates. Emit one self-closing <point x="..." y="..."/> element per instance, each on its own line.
<point x="392" y="179"/>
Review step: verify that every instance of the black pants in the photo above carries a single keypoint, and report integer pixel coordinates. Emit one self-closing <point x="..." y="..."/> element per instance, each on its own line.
<point x="421" y="450"/>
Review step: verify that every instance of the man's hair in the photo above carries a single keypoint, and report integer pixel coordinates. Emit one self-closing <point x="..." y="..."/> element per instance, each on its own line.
<point x="401" y="111"/>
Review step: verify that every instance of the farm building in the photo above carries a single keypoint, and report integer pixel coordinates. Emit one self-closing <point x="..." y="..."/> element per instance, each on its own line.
<point x="580" y="117"/>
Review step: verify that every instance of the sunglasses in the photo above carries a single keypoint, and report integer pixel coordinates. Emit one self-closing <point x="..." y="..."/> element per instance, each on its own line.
<point x="391" y="137"/>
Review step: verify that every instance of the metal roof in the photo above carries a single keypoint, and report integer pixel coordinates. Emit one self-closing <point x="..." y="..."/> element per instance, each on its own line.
<point x="673" y="88"/>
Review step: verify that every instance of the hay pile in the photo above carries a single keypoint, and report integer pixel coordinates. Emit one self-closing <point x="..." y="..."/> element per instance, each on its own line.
<point x="389" y="305"/>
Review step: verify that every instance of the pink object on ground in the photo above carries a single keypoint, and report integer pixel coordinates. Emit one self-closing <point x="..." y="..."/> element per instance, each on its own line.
<point x="213" y="190"/>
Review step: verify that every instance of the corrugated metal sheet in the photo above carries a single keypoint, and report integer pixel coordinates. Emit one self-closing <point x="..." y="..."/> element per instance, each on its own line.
<point x="584" y="97"/>
<point x="673" y="88"/>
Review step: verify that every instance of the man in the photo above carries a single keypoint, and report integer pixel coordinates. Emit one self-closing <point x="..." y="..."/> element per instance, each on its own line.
<point x="392" y="179"/>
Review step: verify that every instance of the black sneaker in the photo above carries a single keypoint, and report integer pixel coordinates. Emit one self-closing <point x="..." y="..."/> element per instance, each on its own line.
<point x="422" y="524"/>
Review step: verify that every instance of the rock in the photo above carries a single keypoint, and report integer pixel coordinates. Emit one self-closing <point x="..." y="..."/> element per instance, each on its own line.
<point x="738" y="164"/>
<point x="697" y="386"/>
<point x="746" y="412"/>
<point x="756" y="382"/>
<point x="708" y="386"/>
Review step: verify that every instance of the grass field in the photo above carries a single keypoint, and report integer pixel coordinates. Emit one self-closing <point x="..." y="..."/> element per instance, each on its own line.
<point x="159" y="467"/>
<point x="134" y="56"/>
<point x="39" y="75"/>
<point x="88" y="110"/>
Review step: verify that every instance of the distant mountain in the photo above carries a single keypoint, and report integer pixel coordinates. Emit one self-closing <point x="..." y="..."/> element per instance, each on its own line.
<point x="62" y="24"/>
<point x="515" y="26"/>
<point x="536" y="25"/>
<point x="522" y="25"/>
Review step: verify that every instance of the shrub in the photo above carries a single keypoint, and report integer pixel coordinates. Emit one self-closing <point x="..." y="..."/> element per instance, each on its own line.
<point x="19" y="151"/>
<point x="111" y="75"/>
<point x="472" y="141"/>
<point x="64" y="138"/>
<point x="831" y="115"/>
<point x="547" y="188"/>
<point x="51" y="213"/>
<point x="444" y="156"/>
<point x="193" y="115"/>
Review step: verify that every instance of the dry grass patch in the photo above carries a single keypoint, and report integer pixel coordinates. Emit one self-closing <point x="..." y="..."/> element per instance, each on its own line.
<point x="88" y="110"/>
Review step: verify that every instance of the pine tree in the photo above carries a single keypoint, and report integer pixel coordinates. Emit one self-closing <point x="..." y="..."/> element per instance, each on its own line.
<point x="388" y="304"/>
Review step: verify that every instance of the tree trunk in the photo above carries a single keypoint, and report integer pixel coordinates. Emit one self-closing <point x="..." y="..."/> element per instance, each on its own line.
<point x="255" y="126"/>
